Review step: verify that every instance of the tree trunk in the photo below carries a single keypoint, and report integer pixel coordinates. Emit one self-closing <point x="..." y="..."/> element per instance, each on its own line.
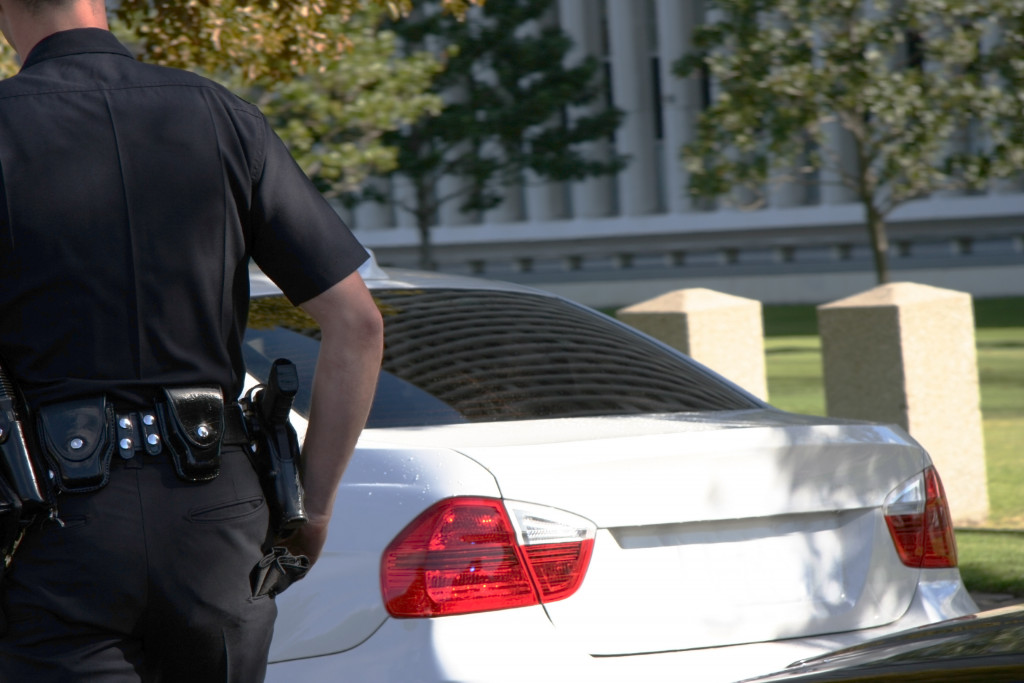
<point x="426" y="248"/>
<point x="879" y="242"/>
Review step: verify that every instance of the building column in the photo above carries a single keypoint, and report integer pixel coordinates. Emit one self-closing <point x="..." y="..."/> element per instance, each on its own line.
<point x="784" y="187"/>
<point x="838" y="155"/>
<point x="543" y="199"/>
<point x="591" y="197"/>
<point x="403" y="192"/>
<point x="839" y="158"/>
<point x="372" y="215"/>
<point x="511" y="208"/>
<point x="449" y="187"/>
<point x="344" y="212"/>
<point x="1014" y="183"/>
<point x="633" y="92"/>
<point x="448" y="213"/>
<point x="682" y="99"/>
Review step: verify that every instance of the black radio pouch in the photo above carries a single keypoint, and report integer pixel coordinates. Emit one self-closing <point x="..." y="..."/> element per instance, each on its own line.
<point x="78" y="442"/>
<point x="192" y="420"/>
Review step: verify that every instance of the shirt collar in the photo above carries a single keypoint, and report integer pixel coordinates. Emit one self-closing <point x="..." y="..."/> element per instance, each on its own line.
<point x="75" y="41"/>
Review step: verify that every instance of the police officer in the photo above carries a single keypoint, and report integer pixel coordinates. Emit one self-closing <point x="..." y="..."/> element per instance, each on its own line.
<point x="132" y="198"/>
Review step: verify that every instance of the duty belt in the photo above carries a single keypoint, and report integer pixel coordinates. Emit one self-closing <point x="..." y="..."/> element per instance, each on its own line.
<point x="191" y="424"/>
<point x="139" y="431"/>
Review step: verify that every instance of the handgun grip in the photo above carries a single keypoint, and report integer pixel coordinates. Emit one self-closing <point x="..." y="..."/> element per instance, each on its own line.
<point x="282" y="385"/>
<point x="16" y="461"/>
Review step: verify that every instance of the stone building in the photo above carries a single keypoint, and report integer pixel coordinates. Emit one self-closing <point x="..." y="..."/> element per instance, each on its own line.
<point x="615" y="240"/>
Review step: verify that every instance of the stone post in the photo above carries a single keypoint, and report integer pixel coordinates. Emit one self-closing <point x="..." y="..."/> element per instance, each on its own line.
<point x="904" y="353"/>
<point x="722" y="331"/>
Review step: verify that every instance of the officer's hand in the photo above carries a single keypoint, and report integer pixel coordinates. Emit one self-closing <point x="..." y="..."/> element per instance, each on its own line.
<point x="308" y="540"/>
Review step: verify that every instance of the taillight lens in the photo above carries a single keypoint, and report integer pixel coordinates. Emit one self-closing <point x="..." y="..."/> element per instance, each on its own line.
<point x="470" y="555"/>
<point x="920" y="524"/>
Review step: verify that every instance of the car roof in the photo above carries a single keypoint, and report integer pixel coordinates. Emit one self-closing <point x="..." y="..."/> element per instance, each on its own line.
<point x="377" y="277"/>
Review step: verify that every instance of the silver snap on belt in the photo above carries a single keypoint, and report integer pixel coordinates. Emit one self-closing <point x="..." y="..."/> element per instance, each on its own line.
<point x="137" y="432"/>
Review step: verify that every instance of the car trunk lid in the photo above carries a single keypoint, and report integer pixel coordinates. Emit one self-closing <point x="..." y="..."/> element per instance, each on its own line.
<point x="713" y="530"/>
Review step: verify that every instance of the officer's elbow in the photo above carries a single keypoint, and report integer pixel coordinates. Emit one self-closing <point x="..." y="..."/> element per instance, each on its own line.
<point x="348" y="316"/>
<point x="365" y="327"/>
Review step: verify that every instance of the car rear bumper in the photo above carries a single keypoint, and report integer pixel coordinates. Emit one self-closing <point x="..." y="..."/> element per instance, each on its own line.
<point x="522" y="644"/>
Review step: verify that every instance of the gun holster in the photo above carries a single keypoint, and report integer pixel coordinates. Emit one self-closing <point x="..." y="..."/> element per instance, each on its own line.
<point x="276" y="454"/>
<point x="25" y="494"/>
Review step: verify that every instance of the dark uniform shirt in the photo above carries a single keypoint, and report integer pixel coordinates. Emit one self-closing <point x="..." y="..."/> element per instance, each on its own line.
<point x="131" y="200"/>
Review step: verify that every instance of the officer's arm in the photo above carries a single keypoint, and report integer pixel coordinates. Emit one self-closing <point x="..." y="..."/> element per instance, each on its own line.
<point x="343" y="386"/>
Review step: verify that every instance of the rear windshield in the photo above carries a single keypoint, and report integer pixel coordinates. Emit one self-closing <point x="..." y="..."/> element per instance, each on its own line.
<point x="479" y="356"/>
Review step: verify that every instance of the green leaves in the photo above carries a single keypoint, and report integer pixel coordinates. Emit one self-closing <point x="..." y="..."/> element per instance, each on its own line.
<point x="8" y="60"/>
<point x="263" y="41"/>
<point x="900" y="79"/>
<point x="334" y="119"/>
<point x="928" y="91"/>
<point x="325" y="75"/>
<point x="508" y="93"/>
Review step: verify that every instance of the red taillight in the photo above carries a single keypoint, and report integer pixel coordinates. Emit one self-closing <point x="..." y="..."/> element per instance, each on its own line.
<point x="465" y="555"/>
<point x="920" y="524"/>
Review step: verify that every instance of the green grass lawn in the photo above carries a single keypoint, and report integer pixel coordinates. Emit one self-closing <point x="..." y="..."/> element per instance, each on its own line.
<point x="990" y="561"/>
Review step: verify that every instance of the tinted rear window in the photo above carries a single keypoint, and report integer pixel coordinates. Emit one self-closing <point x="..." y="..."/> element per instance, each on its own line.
<point x="480" y="355"/>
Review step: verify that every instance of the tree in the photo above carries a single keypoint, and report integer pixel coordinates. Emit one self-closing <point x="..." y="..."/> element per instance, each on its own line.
<point x="903" y="80"/>
<point x="507" y="92"/>
<point x="333" y="120"/>
<point x="8" y="60"/>
<point x="321" y="70"/>
<point x="263" y="40"/>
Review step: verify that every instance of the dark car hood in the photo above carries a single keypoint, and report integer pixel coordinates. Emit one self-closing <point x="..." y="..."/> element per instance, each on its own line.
<point x="988" y="646"/>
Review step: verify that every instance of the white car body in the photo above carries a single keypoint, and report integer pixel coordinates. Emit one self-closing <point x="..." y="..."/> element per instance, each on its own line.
<point x="725" y="544"/>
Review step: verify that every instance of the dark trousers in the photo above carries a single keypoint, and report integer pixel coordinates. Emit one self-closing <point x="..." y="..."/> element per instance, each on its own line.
<point x="148" y="580"/>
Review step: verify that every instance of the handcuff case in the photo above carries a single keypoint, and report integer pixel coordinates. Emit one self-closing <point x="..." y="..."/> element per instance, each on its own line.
<point x="77" y="442"/>
<point x="192" y="420"/>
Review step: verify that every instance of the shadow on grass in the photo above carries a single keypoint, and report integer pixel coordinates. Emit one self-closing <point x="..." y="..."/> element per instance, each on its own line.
<point x="992" y="561"/>
<point x="982" y="344"/>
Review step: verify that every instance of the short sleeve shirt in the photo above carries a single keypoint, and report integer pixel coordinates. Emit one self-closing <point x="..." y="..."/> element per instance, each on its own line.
<point x="132" y="198"/>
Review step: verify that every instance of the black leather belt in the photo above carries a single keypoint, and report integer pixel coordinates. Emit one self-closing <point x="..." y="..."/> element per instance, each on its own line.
<point x="139" y="431"/>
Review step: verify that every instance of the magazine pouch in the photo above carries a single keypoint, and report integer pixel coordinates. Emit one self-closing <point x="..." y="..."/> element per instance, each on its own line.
<point x="77" y="441"/>
<point x="192" y="420"/>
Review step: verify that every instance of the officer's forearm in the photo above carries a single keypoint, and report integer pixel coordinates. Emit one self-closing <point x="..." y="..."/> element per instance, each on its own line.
<point x="343" y="386"/>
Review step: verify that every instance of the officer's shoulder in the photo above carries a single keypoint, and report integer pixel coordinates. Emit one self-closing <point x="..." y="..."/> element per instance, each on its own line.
<point x="173" y="76"/>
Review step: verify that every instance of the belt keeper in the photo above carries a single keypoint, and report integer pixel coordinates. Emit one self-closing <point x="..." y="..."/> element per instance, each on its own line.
<point x="126" y="438"/>
<point x="137" y="432"/>
<point x="151" y="434"/>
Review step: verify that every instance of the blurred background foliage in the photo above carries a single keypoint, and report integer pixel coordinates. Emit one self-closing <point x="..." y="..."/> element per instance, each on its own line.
<point x="925" y="93"/>
<point x="325" y="73"/>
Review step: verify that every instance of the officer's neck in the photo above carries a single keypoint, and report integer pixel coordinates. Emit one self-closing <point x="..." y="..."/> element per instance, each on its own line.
<point x="26" y="28"/>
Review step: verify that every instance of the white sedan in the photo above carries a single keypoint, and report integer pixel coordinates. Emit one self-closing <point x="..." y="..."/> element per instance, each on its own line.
<point x="544" y="494"/>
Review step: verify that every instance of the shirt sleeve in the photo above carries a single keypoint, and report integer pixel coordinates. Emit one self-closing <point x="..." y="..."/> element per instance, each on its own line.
<point x="297" y="238"/>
